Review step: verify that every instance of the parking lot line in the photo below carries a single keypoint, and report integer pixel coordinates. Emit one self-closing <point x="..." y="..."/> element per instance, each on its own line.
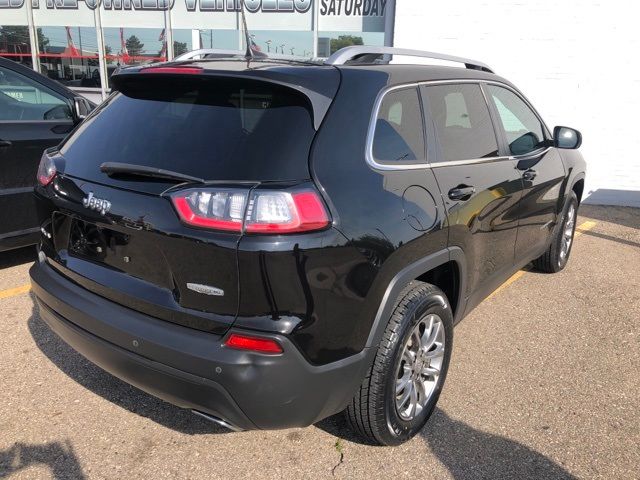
<point x="13" y="292"/>
<point x="582" y="228"/>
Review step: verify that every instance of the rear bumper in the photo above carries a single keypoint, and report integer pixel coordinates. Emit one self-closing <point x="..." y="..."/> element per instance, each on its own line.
<point x="192" y="369"/>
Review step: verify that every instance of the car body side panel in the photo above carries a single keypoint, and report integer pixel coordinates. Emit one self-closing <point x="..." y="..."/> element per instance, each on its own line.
<point x="485" y="225"/>
<point x="310" y="286"/>
<point x="575" y="167"/>
<point x="541" y="203"/>
<point x="19" y="163"/>
<point x="375" y="210"/>
<point x="18" y="167"/>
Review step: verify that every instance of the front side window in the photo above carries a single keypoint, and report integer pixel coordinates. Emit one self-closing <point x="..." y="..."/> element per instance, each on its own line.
<point x="24" y="99"/>
<point x="399" y="133"/>
<point x="462" y="121"/>
<point x="524" y="130"/>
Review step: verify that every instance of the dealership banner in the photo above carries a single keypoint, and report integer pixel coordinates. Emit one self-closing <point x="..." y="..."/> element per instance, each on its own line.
<point x="294" y="15"/>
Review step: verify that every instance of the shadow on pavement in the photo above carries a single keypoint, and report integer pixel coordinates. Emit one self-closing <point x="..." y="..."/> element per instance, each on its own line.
<point x="58" y="456"/>
<point x="605" y="196"/>
<point x="611" y="238"/>
<point x="111" y="388"/>
<point x="625" y="216"/>
<point x="12" y="258"/>
<point x="469" y="453"/>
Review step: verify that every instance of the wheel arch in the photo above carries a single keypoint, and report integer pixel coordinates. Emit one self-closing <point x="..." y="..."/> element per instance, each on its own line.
<point x="578" y="188"/>
<point x="451" y="260"/>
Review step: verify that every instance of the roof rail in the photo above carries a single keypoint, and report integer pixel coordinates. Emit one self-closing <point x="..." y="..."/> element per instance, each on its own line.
<point x="368" y="54"/>
<point x="214" y="52"/>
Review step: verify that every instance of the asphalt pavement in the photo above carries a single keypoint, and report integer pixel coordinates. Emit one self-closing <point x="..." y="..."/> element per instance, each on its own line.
<point x="544" y="383"/>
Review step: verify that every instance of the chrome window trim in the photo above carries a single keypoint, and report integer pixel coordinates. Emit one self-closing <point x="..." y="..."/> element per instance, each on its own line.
<point x="382" y="166"/>
<point x="531" y="155"/>
<point x="471" y="161"/>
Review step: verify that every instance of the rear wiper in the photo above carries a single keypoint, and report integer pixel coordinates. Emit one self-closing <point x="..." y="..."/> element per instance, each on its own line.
<point x="116" y="168"/>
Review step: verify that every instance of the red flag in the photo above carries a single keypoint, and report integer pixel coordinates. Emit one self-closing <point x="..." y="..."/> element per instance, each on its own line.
<point x="71" y="49"/>
<point x="123" y="48"/>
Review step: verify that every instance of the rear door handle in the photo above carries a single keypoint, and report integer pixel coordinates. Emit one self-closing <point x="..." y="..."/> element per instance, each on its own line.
<point x="5" y="143"/>
<point x="529" y="174"/>
<point x="461" y="192"/>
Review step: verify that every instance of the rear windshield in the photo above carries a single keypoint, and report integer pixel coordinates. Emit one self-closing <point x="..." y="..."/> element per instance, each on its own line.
<point x="215" y="129"/>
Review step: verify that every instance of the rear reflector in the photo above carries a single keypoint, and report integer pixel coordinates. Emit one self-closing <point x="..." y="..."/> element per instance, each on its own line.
<point x="267" y="212"/>
<point x="256" y="344"/>
<point x="178" y="70"/>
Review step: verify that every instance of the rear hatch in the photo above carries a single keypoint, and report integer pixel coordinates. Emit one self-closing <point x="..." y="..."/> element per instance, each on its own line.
<point x="119" y="235"/>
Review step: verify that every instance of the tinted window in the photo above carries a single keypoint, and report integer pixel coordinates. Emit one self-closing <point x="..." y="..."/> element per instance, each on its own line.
<point x="524" y="131"/>
<point x="24" y="99"/>
<point x="213" y="129"/>
<point x="462" y="121"/>
<point x="399" y="135"/>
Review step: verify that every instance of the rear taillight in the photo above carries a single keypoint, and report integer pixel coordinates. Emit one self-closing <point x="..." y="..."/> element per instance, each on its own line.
<point x="46" y="170"/>
<point x="256" y="344"/>
<point x="267" y="211"/>
<point x="284" y="212"/>
<point x="215" y="209"/>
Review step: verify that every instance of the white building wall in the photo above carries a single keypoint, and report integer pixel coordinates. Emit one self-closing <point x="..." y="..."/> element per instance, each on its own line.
<point x="578" y="61"/>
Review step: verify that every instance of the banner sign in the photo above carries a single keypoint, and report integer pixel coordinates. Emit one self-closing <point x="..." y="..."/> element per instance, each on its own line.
<point x="327" y="7"/>
<point x="292" y="15"/>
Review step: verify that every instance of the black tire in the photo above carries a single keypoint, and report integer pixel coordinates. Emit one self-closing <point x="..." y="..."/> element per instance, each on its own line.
<point x="552" y="261"/>
<point x="373" y="413"/>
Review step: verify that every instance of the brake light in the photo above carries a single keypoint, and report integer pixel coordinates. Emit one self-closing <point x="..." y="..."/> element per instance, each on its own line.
<point x="256" y="344"/>
<point x="46" y="170"/>
<point x="179" y="70"/>
<point x="268" y="211"/>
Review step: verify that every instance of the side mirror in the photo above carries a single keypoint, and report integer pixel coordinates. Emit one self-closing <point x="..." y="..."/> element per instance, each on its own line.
<point x="565" y="137"/>
<point x="81" y="108"/>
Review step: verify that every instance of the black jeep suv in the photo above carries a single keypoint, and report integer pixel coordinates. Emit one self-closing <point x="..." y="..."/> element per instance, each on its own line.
<point x="270" y="242"/>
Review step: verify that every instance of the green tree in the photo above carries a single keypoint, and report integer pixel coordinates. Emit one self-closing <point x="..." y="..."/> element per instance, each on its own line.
<point x="179" y="48"/>
<point x="134" y="46"/>
<point x="108" y="51"/>
<point x="15" y="38"/>
<point x="345" y="41"/>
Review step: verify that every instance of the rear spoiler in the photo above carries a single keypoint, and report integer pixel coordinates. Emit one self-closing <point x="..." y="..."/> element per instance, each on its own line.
<point x="318" y="83"/>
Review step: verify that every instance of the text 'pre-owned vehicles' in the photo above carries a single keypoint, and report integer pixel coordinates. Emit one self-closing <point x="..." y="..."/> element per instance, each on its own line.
<point x="270" y="242"/>
<point x="35" y="113"/>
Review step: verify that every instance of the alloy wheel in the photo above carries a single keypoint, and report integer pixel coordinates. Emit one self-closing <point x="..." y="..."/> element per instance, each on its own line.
<point x="420" y="366"/>
<point x="567" y="233"/>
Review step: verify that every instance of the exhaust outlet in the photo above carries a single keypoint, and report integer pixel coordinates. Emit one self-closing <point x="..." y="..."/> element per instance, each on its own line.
<point x="218" y="421"/>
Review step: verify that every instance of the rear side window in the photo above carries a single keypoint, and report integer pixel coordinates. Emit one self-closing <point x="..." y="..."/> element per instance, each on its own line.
<point x="462" y="121"/>
<point x="216" y="129"/>
<point x="524" y="130"/>
<point x="399" y="131"/>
